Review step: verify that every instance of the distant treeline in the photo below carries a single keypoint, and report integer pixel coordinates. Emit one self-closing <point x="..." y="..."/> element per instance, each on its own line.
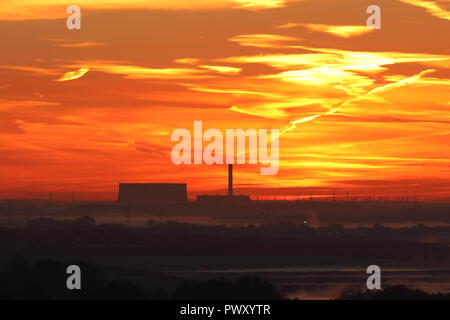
<point x="393" y="293"/>
<point x="322" y="212"/>
<point x="335" y="243"/>
<point x="46" y="279"/>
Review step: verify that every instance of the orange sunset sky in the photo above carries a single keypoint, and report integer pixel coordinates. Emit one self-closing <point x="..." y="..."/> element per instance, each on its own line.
<point x="369" y="110"/>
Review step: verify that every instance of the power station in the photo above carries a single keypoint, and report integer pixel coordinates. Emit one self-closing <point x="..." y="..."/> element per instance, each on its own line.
<point x="230" y="197"/>
<point x="173" y="193"/>
<point x="152" y="193"/>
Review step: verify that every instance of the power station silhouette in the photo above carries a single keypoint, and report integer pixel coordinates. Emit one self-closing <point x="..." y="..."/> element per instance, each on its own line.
<point x="149" y="193"/>
<point x="173" y="193"/>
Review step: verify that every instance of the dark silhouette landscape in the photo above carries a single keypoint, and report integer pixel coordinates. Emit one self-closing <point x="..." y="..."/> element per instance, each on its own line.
<point x="161" y="258"/>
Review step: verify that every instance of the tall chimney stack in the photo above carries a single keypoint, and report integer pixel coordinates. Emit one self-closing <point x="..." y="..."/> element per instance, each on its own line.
<point x="230" y="180"/>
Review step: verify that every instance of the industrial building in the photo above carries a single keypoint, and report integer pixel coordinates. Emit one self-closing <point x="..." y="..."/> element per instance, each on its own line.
<point x="229" y="198"/>
<point x="152" y="193"/>
<point x="173" y="193"/>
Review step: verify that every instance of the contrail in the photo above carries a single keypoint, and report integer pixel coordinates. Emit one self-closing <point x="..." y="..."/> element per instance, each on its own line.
<point x="401" y="83"/>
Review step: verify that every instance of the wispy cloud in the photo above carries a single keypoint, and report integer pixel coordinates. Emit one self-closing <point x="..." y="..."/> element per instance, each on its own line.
<point x="338" y="31"/>
<point x="234" y="91"/>
<point x="188" y="61"/>
<point x="81" y="44"/>
<point x="338" y="59"/>
<point x="263" y="40"/>
<point x="43" y="71"/>
<point x="432" y="7"/>
<point x="375" y="91"/>
<point x="9" y="104"/>
<point x="139" y="72"/>
<point x="72" y="75"/>
<point x="331" y="70"/>
<point x="222" y="69"/>
<point x="52" y="9"/>
<point x="261" y="4"/>
<point x="71" y="43"/>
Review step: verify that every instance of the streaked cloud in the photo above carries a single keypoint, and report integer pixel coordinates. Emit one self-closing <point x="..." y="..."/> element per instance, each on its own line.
<point x="263" y="40"/>
<point x="138" y="72"/>
<point x="432" y="7"/>
<point x="338" y="31"/>
<point x="339" y="59"/>
<point x="260" y="4"/>
<point x="342" y="165"/>
<point x="234" y="91"/>
<point x="53" y="9"/>
<point x="72" y="75"/>
<point x="81" y="44"/>
<point x="188" y="61"/>
<point x="70" y="43"/>
<point x="39" y="70"/>
<point x="222" y="69"/>
<point x="277" y="110"/>
<point x="9" y="104"/>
